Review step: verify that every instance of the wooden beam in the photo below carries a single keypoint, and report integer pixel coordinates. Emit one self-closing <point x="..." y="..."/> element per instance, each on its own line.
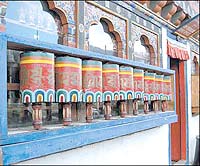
<point x="178" y="17"/>
<point x="168" y="11"/>
<point x="13" y="86"/>
<point x="156" y="6"/>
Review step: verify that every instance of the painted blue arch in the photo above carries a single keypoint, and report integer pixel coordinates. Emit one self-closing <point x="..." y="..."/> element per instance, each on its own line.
<point x="130" y="93"/>
<point x="74" y="92"/>
<point x="107" y="93"/>
<point x="40" y="92"/>
<point x="89" y="93"/>
<point x="29" y="93"/>
<point x="50" y="92"/>
<point x="97" y="95"/>
<point x="61" y="92"/>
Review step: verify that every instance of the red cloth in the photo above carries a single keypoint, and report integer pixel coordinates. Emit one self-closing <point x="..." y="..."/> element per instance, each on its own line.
<point x="177" y="53"/>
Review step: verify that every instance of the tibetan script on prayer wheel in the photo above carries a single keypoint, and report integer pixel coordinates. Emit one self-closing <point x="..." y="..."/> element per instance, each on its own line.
<point x="92" y="81"/>
<point x="149" y="86"/>
<point x="138" y="79"/>
<point x="37" y="77"/>
<point x="167" y="91"/>
<point x="126" y="83"/>
<point x="68" y="79"/>
<point x="111" y="84"/>
<point x="158" y="86"/>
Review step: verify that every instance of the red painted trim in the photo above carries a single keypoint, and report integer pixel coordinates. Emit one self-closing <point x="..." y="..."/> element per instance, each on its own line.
<point x="175" y="127"/>
<point x="182" y="109"/>
<point x="178" y="129"/>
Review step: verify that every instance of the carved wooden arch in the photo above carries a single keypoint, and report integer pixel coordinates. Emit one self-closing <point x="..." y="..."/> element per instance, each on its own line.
<point x="151" y="49"/>
<point x="63" y="18"/>
<point x="116" y="34"/>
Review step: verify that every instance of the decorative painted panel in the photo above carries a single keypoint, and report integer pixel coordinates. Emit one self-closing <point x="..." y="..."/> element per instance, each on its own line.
<point x="69" y="8"/>
<point x="149" y="86"/>
<point x="37" y="77"/>
<point x="138" y="79"/>
<point x="137" y="32"/>
<point x="92" y="81"/>
<point x="68" y="79"/>
<point x="94" y="14"/>
<point x="194" y="47"/>
<point x="126" y="83"/>
<point x="111" y="83"/>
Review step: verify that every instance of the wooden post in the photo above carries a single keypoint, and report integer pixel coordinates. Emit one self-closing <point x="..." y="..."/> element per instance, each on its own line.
<point x="60" y="112"/>
<point x="37" y="116"/>
<point x="89" y="112"/>
<point x="48" y="109"/>
<point x="146" y="107"/>
<point x="67" y="118"/>
<point x="123" y="110"/>
<point x="155" y="106"/>
<point x="24" y="113"/>
<point x="164" y="105"/>
<point x="135" y="107"/>
<point x="107" y="110"/>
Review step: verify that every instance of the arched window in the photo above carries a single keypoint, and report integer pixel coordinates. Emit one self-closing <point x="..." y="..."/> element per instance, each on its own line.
<point x="101" y="40"/>
<point x="32" y="19"/>
<point x="141" y="52"/>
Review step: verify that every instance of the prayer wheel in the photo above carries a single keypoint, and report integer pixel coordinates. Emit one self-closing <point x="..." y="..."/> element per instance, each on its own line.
<point x="158" y="90"/>
<point x="111" y="86"/>
<point x="37" y="81"/>
<point x="167" y="92"/>
<point x="138" y="80"/>
<point x="126" y="87"/>
<point x="149" y="89"/>
<point x="68" y="84"/>
<point x="92" y="85"/>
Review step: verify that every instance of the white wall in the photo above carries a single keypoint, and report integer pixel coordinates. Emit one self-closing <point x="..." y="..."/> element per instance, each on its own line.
<point x="194" y="131"/>
<point x="147" y="147"/>
<point x="193" y="122"/>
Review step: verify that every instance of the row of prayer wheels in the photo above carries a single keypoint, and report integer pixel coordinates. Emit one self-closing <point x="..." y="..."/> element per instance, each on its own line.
<point x="46" y="79"/>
